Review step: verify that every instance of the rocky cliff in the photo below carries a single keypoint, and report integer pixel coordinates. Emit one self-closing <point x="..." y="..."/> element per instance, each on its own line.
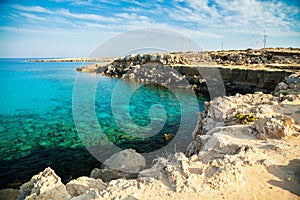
<point x="243" y="71"/>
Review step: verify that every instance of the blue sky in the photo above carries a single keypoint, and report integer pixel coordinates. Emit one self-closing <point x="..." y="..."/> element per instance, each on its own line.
<point x="67" y="28"/>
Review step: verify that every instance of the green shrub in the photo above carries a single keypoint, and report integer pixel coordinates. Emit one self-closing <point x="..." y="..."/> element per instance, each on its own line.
<point x="245" y="119"/>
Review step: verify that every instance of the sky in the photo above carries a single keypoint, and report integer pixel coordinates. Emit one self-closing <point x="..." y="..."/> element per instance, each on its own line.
<point x="72" y="28"/>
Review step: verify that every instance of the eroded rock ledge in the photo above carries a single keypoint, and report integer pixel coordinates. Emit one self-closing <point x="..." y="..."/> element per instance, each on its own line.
<point x="242" y="71"/>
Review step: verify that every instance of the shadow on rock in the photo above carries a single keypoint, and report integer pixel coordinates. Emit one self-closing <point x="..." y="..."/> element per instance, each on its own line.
<point x="289" y="176"/>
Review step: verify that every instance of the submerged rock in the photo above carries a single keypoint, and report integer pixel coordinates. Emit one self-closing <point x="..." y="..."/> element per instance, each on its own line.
<point x="8" y="194"/>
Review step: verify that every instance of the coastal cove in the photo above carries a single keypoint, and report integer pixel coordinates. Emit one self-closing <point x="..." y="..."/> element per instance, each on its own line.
<point x="37" y="128"/>
<point x="244" y="146"/>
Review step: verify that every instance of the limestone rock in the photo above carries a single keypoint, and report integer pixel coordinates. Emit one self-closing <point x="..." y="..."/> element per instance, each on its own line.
<point x="195" y="146"/>
<point x="121" y="189"/>
<point x="107" y="174"/>
<point x="154" y="58"/>
<point x="155" y="171"/>
<point x="289" y="90"/>
<point x="281" y="86"/>
<point x="45" y="185"/>
<point x="126" y="163"/>
<point x="127" y="160"/>
<point x="225" y="141"/>
<point x="94" y="68"/>
<point x="172" y="171"/>
<point x="177" y="171"/>
<point x="95" y="173"/>
<point x="91" y="194"/>
<point x="82" y="184"/>
<point x="223" y="115"/>
<point x="293" y="79"/>
<point x="217" y="111"/>
<point x="275" y="127"/>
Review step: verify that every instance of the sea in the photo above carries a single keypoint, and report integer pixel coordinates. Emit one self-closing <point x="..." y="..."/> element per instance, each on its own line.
<point x="45" y="108"/>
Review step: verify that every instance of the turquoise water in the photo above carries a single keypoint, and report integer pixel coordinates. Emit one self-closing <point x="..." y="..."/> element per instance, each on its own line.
<point x="37" y="128"/>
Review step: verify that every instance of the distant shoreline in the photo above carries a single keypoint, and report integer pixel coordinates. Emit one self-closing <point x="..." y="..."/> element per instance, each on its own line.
<point x="105" y="59"/>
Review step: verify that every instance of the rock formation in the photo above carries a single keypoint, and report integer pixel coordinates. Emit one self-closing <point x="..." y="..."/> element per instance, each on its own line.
<point x="45" y="185"/>
<point x="243" y="71"/>
<point x="289" y="89"/>
<point x="126" y="163"/>
<point x="80" y="185"/>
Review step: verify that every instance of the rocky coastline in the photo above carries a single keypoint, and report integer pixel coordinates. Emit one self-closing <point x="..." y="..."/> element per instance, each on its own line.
<point x="246" y="146"/>
<point x="241" y="71"/>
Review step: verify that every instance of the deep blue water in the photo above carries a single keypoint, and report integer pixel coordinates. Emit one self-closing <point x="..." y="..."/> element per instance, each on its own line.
<point x="37" y="127"/>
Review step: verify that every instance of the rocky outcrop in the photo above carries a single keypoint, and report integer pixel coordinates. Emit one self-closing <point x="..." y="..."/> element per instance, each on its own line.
<point x="284" y="58"/>
<point x="242" y="71"/>
<point x="254" y="114"/>
<point x="173" y="170"/>
<point x="93" y="68"/>
<point x="180" y="173"/>
<point x="267" y="56"/>
<point x="124" y="164"/>
<point x="242" y="80"/>
<point x="289" y="89"/>
<point x="45" y="185"/>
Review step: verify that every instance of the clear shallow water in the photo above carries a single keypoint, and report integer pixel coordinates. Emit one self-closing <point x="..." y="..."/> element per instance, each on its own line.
<point x="37" y="128"/>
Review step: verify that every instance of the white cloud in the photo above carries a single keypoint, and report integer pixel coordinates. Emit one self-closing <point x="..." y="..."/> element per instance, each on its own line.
<point x="83" y="16"/>
<point x="134" y="2"/>
<point x="31" y="16"/>
<point x="95" y="25"/>
<point x="131" y="16"/>
<point x="237" y="16"/>
<point x="268" y="13"/>
<point x="86" y="2"/>
<point x="204" y="16"/>
<point x="37" y="9"/>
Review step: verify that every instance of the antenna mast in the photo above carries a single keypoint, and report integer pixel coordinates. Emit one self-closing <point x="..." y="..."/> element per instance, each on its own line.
<point x="265" y="39"/>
